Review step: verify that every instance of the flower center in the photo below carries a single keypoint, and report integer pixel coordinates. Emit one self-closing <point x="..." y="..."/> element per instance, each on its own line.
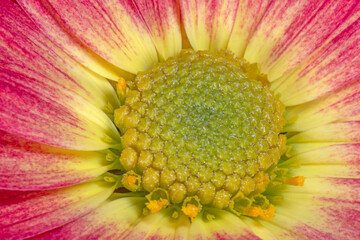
<point x="201" y="130"/>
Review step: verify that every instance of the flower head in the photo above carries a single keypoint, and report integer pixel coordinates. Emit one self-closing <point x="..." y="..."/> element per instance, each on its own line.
<point x="179" y="119"/>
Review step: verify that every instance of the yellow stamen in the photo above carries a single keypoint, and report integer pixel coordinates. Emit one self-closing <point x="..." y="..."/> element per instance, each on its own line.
<point x="254" y="211"/>
<point x="268" y="213"/>
<point x="131" y="180"/>
<point x="296" y="181"/>
<point x="156" y="205"/>
<point x="121" y="87"/>
<point x="190" y="210"/>
<point x="265" y="214"/>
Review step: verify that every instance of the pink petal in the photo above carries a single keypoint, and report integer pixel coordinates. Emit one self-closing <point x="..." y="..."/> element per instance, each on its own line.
<point x="226" y="225"/>
<point x="27" y="165"/>
<point x="340" y="105"/>
<point x="324" y="208"/>
<point x="112" y="29"/>
<point x="45" y="95"/>
<point x="291" y="30"/>
<point x="123" y="219"/>
<point x="25" y="214"/>
<point x="208" y="23"/>
<point x="49" y="22"/>
<point x="112" y="220"/>
<point x="330" y="67"/>
<point x="247" y="18"/>
<point x="163" y="20"/>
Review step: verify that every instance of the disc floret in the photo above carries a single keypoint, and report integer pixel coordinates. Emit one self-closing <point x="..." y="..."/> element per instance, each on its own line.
<point x="205" y="129"/>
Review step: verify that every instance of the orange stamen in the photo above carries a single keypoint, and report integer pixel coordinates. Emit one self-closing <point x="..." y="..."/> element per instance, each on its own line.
<point x="268" y="213"/>
<point x="254" y="211"/>
<point x="265" y="214"/>
<point x="131" y="180"/>
<point x="121" y="86"/>
<point x="296" y="181"/>
<point x="190" y="210"/>
<point x="156" y="205"/>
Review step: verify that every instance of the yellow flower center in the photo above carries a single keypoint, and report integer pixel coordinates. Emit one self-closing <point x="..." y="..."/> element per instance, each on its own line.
<point x="204" y="129"/>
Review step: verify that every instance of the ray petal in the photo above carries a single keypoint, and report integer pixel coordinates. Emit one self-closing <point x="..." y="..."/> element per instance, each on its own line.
<point x="208" y="23"/>
<point x="330" y="67"/>
<point x="45" y="95"/>
<point x="27" y="165"/>
<point x="248" y="16"/>
<point x="112" y="29"/>
<point x="225" y="226"/>
<point x="340" y="105"/>
<point x="26" y="214"/>
<point x="163" y="21"/>
<point x="324" y="208"/>
<point x="112" y="220"/>
<point x="291" y="30"/>
<point x="333" y="132"/>
<point x="49" y="22"/>
<point x="341" y="160"/>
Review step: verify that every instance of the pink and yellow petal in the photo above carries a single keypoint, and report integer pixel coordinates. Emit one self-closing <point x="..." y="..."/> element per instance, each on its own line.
<point x="342" y="160"/>
<point x="163" y="20"/>
<point x="112" y="220"/>
<point x="340" y="105"/>
<point x="256" y="226"/>
<point x="25" y="50"/>
<point x="113" y="29"/>
<point x="27" y="165"/>
<point x="26" y="214"/>
<point x="324" y="208"/>
<point x="50" y="117"/>
<point x="291" y="30"/>
<point x="330" y="67"/>
<point x="161" y="226"/>
<point x="333" y="132"/>
<point x="225" y="226"/>
<point x="49" y="22"/>
<point x="248" y="16"/>
<point x="208" y="23"/>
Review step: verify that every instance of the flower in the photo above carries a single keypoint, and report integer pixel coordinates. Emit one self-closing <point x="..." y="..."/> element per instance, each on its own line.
<point x="60" y="150"/>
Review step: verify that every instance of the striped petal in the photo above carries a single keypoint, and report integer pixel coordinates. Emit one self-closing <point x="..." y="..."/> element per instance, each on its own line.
<point x="122" y="219"/>
<point x="25" y="214"/>
<point x="25" y="50"/>
<point x="225" y="226"/>
<point x="26" y="165"/>
<point x="330" y="67"/>
<point x="163" y="20"/>
<point x="112" y="29"/>
<point x="324" y="208"/>
<point x="342" y="160"/>
<point x="208" y="23"/>
<point x="113" y="220"/>
<point x="291" y="30"/>
<point x="248" y="16"/>
<point x="340" y="105"/>
<point x="45" y="95"/>
<point x="49" y="22"/>
<point x="333" y="132"/>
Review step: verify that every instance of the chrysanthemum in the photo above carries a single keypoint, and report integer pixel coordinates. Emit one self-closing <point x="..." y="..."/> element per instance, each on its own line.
<point x="179" y="119"/>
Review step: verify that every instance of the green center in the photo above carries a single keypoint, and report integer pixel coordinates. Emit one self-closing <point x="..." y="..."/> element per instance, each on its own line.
<point x="201" y="125"/>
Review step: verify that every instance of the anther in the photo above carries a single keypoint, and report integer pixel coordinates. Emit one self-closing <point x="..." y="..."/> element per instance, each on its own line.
<point x="296" y="181"/>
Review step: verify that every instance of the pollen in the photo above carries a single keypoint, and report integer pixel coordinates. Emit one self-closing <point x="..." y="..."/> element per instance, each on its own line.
<point x="201" y="126"/>
<point x="156" y="205"/>
<point x="190" y="210"/>
<point x="131" y="180"/>
<point x="264" y="214"/>
<point x="296" y="181"/>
